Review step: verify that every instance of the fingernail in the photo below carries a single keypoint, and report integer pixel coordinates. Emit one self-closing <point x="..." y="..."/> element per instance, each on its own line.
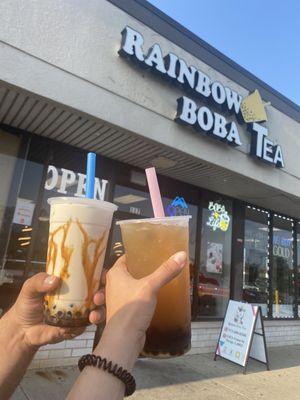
<point x="180" y="258"/>
<point x="50" y="279"/>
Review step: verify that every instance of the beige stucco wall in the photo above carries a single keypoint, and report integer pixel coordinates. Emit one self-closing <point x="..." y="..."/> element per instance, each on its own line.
<point x="67" y="51"/>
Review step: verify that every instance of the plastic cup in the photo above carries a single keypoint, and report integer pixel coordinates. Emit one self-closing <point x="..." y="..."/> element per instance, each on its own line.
<point x="148" y="243"/>
<point x="78" y="234"/>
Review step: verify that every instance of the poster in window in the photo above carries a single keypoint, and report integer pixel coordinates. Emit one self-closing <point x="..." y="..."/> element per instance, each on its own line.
<point x="214" y="260"/>
<point x="23" y="212"/>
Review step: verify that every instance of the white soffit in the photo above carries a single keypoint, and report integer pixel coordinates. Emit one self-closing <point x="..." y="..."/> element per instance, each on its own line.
<point x="28" y="112"/>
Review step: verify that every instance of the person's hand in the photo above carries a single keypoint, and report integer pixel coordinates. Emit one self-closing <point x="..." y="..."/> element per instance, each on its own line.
<point x="26" y="314"/>
<point x="130" y="304"/>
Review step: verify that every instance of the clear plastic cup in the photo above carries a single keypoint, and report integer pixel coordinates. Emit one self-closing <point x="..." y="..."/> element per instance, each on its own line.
<point x="148" y="243"/>
<point x="78" y="234"/>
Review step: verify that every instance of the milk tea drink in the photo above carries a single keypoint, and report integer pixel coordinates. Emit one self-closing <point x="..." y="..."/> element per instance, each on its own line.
<point x="148" y="243"/>
<point x="78" y="234"/>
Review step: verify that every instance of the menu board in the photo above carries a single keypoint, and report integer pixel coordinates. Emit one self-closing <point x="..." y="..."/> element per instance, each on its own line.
<point x="242" y="334"/>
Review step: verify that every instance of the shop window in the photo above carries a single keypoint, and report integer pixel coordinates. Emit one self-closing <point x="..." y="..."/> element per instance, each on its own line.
<point x="133" y="201"/>
<point x="17" y="231"/>
<point x="215" y="257"/>
<point x="9" y="147"/>
<point x="283" y="271"/>
<point x="9" y="151"/>
<point x="21" y="228"/>
<point x="256" y="258"/>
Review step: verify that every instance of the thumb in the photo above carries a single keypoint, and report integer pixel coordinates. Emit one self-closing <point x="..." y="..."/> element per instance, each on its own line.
<point x="38" y="285"/>
<point x="167" y="271"/>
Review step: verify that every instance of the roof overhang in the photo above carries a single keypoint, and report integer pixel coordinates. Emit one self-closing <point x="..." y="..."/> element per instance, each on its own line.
<point x="29" y="112"/>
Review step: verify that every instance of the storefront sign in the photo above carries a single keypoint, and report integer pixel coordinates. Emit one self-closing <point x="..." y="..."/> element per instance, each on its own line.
<point x="249" y="110"/>
<point x="242" y="334"/>
<point x="66" y="178"/>
<point x="219" y="218"/>
<point x="177" y="207"/>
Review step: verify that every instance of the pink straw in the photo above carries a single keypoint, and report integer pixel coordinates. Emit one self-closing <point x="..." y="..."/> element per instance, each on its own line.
<point x="154" y="191"/>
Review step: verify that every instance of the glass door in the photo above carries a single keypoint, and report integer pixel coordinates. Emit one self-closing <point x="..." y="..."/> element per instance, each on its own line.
<point x="283" y="281"/>
<point x="256" y="258"/>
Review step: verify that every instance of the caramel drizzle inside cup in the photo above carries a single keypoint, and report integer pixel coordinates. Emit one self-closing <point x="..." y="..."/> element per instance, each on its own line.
<point x="66" y="253"/>
<point x="89" y="265"/>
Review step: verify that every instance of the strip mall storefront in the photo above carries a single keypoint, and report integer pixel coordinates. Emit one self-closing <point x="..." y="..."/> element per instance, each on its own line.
<point x="127" y="82"/>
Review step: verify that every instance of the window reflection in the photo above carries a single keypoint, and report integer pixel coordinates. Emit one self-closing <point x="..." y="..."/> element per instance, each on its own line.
<point x="133" y="201"/>
<point x="255" y="266"/>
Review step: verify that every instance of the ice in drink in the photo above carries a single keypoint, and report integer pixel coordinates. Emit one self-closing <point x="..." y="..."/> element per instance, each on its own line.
<point x="148" y="243"/>
<point x="78" y="234"/>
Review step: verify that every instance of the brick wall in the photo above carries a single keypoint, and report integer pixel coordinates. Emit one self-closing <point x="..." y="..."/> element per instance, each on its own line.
<point x="278" y="333"/>
<point x="204" y="338"/>
<point x="65" y="353"/>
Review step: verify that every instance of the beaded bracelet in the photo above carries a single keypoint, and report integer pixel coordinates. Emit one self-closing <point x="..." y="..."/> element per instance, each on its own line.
<point x="118" y="372"/>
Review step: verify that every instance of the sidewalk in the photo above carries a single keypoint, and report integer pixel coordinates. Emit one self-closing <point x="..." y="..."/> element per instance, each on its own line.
<point x="195" y="377"/>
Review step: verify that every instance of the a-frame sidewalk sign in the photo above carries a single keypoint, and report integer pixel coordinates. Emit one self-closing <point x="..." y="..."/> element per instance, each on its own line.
<point x="242" y="335"/>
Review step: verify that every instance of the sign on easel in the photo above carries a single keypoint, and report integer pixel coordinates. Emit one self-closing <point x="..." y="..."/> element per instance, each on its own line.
<point x="242" y="335"/>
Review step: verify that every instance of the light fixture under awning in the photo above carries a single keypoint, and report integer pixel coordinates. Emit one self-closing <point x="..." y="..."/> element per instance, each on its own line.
<point x="129" y="198"/>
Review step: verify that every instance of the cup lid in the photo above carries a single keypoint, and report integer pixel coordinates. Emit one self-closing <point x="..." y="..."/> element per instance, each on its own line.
<point x="155" y="220"/>
<point x="82" y="201"/>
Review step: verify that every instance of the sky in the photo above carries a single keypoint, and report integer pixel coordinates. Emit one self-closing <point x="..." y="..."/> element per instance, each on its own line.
<point x="263" y="36"/>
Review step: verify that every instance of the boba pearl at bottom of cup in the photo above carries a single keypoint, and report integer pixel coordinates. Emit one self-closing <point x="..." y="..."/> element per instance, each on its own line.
<point x="166" y="344"/>
<point x="65" y="315"/>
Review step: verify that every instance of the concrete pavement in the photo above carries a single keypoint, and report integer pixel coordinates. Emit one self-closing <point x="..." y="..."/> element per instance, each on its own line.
<point x="195" y="377"/>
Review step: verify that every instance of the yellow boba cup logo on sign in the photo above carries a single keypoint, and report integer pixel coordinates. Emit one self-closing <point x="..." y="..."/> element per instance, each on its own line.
<point x="224" y="223"/>
<point x="253" y="108"/>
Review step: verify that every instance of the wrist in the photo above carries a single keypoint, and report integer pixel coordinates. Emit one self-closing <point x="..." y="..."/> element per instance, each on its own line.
<point x="12" y="335"/>
<point x="119" y="345"/>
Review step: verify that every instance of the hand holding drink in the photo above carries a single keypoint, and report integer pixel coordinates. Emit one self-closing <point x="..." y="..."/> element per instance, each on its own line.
<point x="148" y="243"/>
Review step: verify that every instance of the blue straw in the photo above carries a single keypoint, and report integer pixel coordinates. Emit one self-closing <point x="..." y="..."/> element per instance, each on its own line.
<point x="90" y="175"/>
